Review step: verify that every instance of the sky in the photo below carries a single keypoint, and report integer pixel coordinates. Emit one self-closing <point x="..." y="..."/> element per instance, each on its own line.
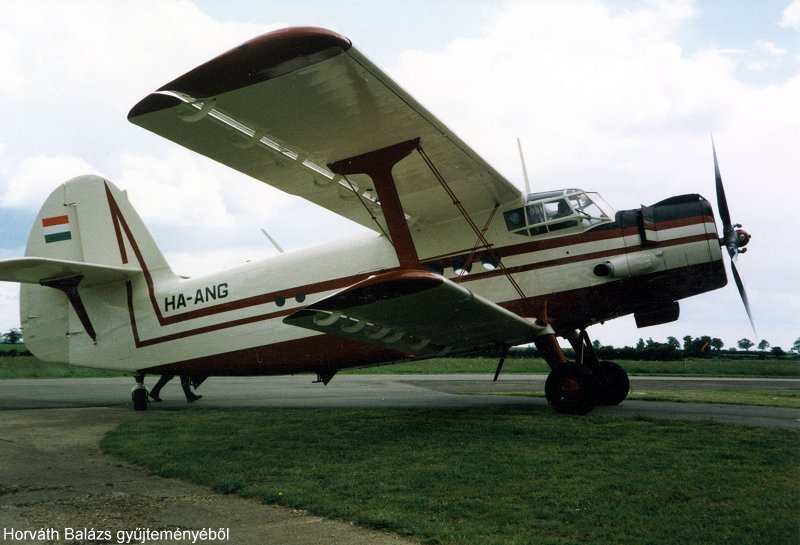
<point x="616" y="96"/>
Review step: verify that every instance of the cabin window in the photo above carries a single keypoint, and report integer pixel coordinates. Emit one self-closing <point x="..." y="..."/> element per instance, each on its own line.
<point x="562" y="211"/>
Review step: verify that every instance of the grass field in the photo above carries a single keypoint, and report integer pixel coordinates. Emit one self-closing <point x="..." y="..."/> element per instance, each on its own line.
<point x="689" y="367"/>
<point x="30" y="367"/>
<point x="499" y="476"/>
<point x="789" y="399"/>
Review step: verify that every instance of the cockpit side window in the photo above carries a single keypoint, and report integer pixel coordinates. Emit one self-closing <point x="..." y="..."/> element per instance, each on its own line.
<point x="590" y="213"/>
<point x="515" y="219"/>
<point x="535" y="214"/>
<point x="561" y="214"/>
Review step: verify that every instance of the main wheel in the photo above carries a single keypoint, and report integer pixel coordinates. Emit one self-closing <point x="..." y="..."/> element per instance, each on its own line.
<point x="571" y="388"/>
<point x="614" y="384"/>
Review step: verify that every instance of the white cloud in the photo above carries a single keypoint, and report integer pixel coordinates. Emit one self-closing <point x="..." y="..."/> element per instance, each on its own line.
<point x="610" y="101"/>
<point x="764" y="56"/>
<point x="791" y="16"/>
<point x="578" y="84"/>
<point x="36" y="177"/>
<point x="112" y="50"/>
<point x="9" y="306"/>
<point x="174" y="190"/>
<point x="14" y="79"/>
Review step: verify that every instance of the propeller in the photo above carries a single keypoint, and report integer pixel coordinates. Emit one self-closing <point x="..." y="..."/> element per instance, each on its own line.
<point x="734" y="238"/>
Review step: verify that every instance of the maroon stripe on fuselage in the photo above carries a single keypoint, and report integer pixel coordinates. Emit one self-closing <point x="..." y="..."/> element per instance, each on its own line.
<point x="607" y="233"/>
<point x="121" y="227"/>
<point x="568" y="310"/>
<point x="578" y="258"/>
<point x="309" y="354"/>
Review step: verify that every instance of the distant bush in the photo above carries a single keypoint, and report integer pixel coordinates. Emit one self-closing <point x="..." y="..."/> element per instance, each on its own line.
<point x="14" y="351"/>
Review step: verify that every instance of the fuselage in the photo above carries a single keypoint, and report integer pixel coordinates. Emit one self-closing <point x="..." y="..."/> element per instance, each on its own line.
<point x="231" y="322"/>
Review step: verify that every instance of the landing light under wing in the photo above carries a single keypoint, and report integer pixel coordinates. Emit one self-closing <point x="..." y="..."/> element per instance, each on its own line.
<point x="284" y="106"/>
<point x="415" y="312"/>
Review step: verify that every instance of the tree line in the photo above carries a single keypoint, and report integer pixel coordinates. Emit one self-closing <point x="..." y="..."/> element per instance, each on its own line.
<point x="673" y="349"/>
<point x="11" y="342"/>
<point x="703" y="346"/>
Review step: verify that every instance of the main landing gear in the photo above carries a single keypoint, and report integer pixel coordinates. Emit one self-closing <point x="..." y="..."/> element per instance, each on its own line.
<point x="578" y="387"/>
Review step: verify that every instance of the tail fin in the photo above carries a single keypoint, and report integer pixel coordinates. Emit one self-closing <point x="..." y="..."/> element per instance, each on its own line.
<point x="86" y="241"/>
<point x="89" y="220"/>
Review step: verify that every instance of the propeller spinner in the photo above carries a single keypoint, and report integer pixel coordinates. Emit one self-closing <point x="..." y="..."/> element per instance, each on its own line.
<point x="734" y="238"/>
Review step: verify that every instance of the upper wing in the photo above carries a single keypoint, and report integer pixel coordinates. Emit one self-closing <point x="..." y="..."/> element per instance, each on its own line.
<point x="283" y="106"/>
<point x="415" y="312"/>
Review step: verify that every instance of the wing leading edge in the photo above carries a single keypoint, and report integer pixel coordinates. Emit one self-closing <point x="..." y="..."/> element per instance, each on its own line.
<point x="285" y="105"/>
<point x="415" y="312"/>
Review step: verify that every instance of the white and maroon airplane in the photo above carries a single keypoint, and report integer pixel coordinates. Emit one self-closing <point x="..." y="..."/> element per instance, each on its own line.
<point x="460" y="260"/>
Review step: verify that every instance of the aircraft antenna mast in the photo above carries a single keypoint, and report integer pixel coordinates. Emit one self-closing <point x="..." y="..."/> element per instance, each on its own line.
<point x="524" y="170"/>
<point x="272" y="240"/>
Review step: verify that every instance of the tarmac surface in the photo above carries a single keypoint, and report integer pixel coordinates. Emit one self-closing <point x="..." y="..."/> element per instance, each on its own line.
<point x="53" y="477"/>
<point x="348" y="390"/>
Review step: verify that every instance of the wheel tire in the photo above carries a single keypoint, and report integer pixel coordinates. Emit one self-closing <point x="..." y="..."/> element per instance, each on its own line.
<point x="571" y="389"/>
<point x="614" y="384"/>
<point x="139" y="397"/>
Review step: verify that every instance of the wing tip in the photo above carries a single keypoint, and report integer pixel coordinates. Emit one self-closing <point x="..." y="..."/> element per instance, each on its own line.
<point x="259" y="59"/>
<point x="152" y="103"/>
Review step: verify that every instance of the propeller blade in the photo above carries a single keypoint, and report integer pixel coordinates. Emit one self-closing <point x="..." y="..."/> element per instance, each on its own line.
<point x="730" y="238"/>
<point x="739" y="284"/>
<point x="722" y="202"/>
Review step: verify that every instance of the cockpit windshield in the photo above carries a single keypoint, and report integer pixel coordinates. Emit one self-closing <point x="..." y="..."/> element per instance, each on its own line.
<point x="558" y="212"/>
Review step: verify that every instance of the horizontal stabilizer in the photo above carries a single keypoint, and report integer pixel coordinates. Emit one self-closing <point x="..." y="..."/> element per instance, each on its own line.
<point x="415" y="312"/>
<point x="34" y="270"/>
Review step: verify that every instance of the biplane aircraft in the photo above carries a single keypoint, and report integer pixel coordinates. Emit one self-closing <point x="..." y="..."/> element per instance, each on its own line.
<point x="460" y="261"/>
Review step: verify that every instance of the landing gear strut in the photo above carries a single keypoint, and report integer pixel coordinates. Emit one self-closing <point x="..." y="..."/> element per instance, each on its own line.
<point x="577" y="387"/>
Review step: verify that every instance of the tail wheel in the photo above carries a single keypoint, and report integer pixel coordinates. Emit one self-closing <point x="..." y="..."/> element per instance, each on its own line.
<point x="139" y="397"/>
<point x="614" y="385"/>
<point x="571" y="389"/>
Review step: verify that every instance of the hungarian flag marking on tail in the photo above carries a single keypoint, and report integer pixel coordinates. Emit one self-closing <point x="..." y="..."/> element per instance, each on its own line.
<point x="56" y="228"/>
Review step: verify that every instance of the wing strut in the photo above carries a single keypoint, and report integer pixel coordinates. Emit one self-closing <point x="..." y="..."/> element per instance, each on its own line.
<point x="480" y="233"/>
<point x="378" y="165"/>
<point x="500" y="363"/>
<point x="372" y="216"/>
<point x="478" y="244"/>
